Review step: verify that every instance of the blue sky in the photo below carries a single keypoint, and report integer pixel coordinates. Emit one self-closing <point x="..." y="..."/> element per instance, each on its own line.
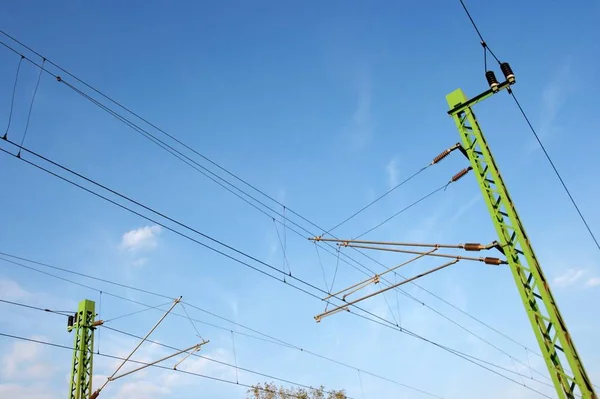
<point x="323" y="107"/>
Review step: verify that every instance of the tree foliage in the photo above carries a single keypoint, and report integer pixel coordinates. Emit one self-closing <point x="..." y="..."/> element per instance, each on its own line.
<point x="272" y="391"/>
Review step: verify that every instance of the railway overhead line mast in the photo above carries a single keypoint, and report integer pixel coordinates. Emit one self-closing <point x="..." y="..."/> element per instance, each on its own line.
<point x="560" y="355"/>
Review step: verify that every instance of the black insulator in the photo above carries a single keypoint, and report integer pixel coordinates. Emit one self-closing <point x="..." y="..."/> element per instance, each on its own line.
<point x="491" y="79"/>
<point x="70" y="321"/>
<point x="508" y="73"/>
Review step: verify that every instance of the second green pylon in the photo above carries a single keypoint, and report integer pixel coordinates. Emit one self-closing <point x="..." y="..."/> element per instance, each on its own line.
<point x="83" y="351"/>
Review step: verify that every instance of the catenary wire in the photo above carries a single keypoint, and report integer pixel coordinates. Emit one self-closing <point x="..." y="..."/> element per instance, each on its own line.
<point x="150" y="138"/>
<point x="213" y="360"/>
<point x="167" y="228"/>
<point x="472" y="359"/>
<point x="129" y="123"/>
<point x="537" y="138"/>
<point x="58" y="312"/>
<point x="268" y="338"/>
<point x="465" y="356"/>
<point x="55" y="345"/>
<point x="179" y="155"/>
<point x="477" y="30"/>
<point x="164" y="132"/>
<point x="376" y="200"/>
<point x="153" y="220"/>
<point x="437" y="190"/>
<point x="179" y="233"/>
<point x="137" y="312"/>
<point x="558" y="175"/>
<point x="312" y="286"/>
<point x="149" y="307"/>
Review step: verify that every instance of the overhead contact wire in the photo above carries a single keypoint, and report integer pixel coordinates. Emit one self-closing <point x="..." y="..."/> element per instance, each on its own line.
<point x="191" y="149"/>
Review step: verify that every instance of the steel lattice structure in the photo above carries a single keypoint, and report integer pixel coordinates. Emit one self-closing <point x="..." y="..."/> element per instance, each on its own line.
<point x="563" y="362"/>
<point x="83" y="351"/>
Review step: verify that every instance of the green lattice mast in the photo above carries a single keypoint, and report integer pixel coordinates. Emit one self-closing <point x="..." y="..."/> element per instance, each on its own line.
<point x="83" y="352"/>
<point x="563" y="362"/>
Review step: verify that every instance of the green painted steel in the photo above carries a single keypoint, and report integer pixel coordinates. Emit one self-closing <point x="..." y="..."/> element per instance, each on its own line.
<point x="83" y="351"/>
<point x="564" y="364"/>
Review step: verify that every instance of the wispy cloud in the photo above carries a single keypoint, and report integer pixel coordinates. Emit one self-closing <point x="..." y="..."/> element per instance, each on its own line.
<point x="12" y="290"/>
<point x="554" y="95"/>
<point x="143" y="238"/>
<point x="392" y="173"/>
<point x="139" y="262"/>
<point x="570" y="277"/>
<point x="360" y="129"/>
<point x="593" y="282"/>
<point x="464" y="208"/>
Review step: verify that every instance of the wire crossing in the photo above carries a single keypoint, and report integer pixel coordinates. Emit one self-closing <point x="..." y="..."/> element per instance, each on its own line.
<point x="383" y="321"/>
<point x="267" y="338"/>
<point x="347" y="259"/>
<point x="230" y="248"/>
<point x="55" y="345"/>
<point x="470" y="358"/>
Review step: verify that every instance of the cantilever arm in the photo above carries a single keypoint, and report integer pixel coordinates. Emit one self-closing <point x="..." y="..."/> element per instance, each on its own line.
<point x="97" y="392"/>
<point x="486" y="260"/>
<point x="466" y="246"/>
<point x="193" y="348"/>
<point x="375" y="279"/>
<point x="319" y="317"/>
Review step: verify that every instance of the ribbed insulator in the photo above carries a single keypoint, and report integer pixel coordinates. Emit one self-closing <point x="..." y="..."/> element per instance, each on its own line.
<point x="492" y="261"/>
<point x="460" y="174"/>
<point x="491" y="79"/>
<point x="473" y="247"/>
<point x="508" y="73"/>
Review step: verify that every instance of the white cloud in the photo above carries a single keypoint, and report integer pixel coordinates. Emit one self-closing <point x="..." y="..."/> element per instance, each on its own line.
<point x="392" y="172"/>
<point x="593" y="282"/>
<point x="144" y="238"/>
<point x="23" y="361"/>
<point x="570" y="277"/>
<point x="139" y="262"/>
<point x="12" y="290"/>
<point x="141" y="389"/>
<point x="201" y="365"/>
<point x="30" y="392"/>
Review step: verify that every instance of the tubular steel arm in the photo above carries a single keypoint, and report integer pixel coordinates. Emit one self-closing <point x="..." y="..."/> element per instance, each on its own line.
<point x="385" y="246"/>
<point x="548" y="325"/>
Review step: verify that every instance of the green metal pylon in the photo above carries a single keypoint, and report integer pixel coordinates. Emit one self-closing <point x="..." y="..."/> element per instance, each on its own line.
<point x="83" y="351"/>
<point x="548" y="325"/>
